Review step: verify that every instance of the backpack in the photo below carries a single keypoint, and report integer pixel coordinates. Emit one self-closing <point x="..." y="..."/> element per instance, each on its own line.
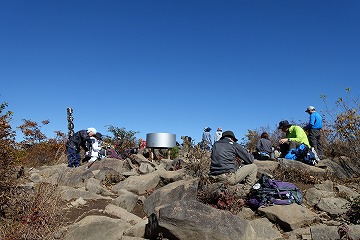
<point x="291" y="154"/>
<point x="268" y="191"/>
<point x="302" y="153"/>
<point x="311" y="158"/>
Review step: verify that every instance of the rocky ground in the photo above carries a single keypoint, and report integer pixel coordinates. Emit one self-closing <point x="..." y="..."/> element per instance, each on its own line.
<point x="154" y="201"/>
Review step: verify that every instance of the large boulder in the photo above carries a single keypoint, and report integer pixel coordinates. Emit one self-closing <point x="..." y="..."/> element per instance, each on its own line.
<point x="180" y="190"/>
<point x="192" y="220"/>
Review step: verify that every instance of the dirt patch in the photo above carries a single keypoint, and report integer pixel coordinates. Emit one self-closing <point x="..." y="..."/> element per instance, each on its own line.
<point x="139" y="210"/>
<point x="95" y="207"/>
<point x="92" y="207"/>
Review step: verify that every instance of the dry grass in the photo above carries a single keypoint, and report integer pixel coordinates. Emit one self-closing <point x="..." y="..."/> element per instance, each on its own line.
<point x="33" y="213"/>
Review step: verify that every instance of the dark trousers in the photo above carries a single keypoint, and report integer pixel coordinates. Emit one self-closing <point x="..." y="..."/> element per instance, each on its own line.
<point x="315" y="140"/>
<point x="73" y="157"/>
<point x="285" y="147"/>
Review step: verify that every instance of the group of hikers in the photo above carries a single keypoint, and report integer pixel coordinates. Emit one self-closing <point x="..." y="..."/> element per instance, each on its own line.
<point x="225" y="152"/>
<point x="225" y="167"/>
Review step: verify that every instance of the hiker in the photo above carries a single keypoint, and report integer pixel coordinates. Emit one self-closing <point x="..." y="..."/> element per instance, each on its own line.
<point x="224" y="166"/>
<point x="264" y="147"/>
<point x="314" y="130"/>
<point x="80" y="139"/>
<point x="206" y="139"/>
<point x="218" y="134"/>
<point x="142" y="143"/>
<point x="95" y="147"/>
<point x="295" y="136"/>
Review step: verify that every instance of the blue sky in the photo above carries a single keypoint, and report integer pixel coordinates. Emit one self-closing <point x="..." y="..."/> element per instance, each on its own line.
<point x="175" y="66"/>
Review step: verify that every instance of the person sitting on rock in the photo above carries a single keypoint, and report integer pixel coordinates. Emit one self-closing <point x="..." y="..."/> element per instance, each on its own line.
<point x="224" y="166"/>
<point x="264" y="147"/>
<point x="295" y="136"/>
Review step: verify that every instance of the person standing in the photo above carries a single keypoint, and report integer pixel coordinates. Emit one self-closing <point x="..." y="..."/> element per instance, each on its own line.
<point x="206" y="139"/>
<point x="81" y="139"/>
<point x="218" y="134"/>
<point x="295" y="136"/>
<point x="314" y="130"/>
<point x="224" y="166"/>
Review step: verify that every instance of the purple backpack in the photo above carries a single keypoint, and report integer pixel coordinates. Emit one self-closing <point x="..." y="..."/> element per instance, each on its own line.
<point x="274" y="192"/>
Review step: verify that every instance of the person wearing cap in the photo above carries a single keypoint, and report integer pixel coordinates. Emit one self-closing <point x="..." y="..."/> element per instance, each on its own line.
<point x="218" y="134"/>
<point x="224" y="166"/>
<point x="206" y="139"/>
<point x="314" y="130"/>
<point x="295" y="136"/>
<point x="81" y="139"/>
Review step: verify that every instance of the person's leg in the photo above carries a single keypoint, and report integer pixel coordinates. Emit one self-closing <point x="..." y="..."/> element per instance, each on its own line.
<point x="284" y="149"/>
<point x="77" y="159"/>
<point x="318" y="144"/>
<point x="246" y="173"/>
<point x="312" y="139"/>
<point x="71" y="154"/>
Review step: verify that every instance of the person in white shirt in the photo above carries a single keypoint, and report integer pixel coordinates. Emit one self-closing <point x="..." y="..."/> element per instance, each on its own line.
<point x="218" y="134"/>
<point x="95" y="147"/>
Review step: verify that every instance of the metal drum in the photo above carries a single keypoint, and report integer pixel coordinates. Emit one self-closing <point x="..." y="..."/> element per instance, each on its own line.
<point x="160" y="140"/>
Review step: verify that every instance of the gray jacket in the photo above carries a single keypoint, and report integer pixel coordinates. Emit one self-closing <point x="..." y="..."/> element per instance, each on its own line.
<point x="223" y="157"/>
<point x="264" y="145"/>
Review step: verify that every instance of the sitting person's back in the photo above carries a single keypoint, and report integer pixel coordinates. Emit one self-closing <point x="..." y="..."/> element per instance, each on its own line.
<point x="264" y="147"/>
<point x="224" y="166"/>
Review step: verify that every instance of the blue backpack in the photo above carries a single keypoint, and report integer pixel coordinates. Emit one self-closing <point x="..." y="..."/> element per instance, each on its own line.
<point x="271" y="192"/>
<point x="302" y="153"/>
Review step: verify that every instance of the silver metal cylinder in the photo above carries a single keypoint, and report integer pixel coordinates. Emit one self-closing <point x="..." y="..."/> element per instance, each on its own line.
<point x="160" y="140"/>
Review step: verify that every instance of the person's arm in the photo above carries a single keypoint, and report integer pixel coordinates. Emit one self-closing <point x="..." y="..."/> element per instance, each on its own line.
<point x="298" y="135"/>
<point x="311" y="122"/>
<point x="243" y="154"/>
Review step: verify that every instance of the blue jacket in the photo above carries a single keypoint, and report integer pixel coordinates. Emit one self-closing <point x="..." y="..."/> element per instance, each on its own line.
<point x="315" y="121"/>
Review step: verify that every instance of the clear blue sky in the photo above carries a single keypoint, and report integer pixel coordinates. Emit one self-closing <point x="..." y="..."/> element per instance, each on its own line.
<point x="175" y="66"/>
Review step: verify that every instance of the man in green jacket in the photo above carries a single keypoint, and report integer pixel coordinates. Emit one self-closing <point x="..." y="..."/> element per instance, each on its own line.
<point x="295" y="136"/>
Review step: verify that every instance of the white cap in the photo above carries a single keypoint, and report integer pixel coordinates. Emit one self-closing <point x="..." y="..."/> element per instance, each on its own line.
<point x="310" y="108"/>
<point x="91" y="129"/>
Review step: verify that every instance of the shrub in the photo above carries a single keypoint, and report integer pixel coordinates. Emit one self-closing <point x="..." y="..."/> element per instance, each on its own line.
<point x="354" y="211"/>
<point x="112" y="179"/>
<point x="34" y="214"/>
<point x="174" y="152"/>
<point x="43" y="153"/>
<point x="122" y="139"/>
<point x="8" y="178"/>
<point x="223" y="197"/>
<point x="344" y="133"/>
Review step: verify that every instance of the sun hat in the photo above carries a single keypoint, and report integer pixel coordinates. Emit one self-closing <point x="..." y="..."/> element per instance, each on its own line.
<point x="207" y="129"/>
<point x="229" y="134"/>
<point x="310" y="108"/>
<point x="91" y="129"/>
<point x="283" y="124"/>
